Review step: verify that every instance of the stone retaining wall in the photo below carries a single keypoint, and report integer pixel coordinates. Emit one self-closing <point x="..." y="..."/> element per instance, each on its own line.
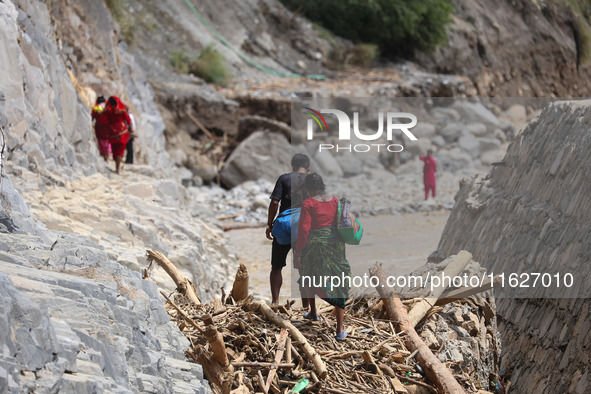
<point x="534" y="213"/>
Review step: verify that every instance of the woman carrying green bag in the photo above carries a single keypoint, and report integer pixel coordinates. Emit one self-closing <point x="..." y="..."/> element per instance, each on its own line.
<point x="320" y="251"/>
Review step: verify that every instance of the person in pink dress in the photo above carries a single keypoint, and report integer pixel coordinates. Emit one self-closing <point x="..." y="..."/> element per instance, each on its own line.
<point x="429" y="171"/>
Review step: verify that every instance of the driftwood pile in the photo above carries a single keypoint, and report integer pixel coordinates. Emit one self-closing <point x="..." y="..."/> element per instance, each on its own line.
<point x="245" y="346"/>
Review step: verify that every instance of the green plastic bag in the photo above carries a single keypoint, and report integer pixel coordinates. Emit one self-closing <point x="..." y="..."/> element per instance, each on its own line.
<point x="348" y="226"/>
<point x="300" y="385"/>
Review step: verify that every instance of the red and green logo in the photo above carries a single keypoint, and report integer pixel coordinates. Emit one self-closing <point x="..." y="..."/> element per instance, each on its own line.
<point x="317" y="117"/>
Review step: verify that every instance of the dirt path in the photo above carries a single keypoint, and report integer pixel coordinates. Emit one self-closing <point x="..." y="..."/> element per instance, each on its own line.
<point x="402" y="243"/>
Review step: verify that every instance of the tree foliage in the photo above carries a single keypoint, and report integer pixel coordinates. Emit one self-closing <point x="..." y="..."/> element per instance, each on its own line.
<point x="398" y="27"/>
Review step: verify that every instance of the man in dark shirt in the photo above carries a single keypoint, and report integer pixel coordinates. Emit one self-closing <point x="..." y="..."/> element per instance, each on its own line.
<point x="282" y="199"/>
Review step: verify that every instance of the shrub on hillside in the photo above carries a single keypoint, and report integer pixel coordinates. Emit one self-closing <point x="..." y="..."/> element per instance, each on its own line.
<point x="180" y="62"/>
<point x="211" y="66"/>
<point x="398" y="27"/>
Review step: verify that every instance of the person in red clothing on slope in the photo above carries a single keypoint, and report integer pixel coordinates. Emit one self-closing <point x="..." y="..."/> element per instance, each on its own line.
<point x="101" y="129"/>
<point x="429" y="171"/>
<point x="119" y="125"/>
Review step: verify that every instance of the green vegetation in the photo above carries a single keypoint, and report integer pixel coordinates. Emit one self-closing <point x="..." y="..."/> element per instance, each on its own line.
<point x="119" y="12"/>
<point x="209" y="65"/>
<point x="398" y="27"/>
<point x="180" y="62"/>
<point x="363" y="55"/>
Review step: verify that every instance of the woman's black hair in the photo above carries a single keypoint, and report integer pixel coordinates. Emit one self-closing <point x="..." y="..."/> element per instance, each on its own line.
<point x="314" y="184"/>
<point x="112" y="102"/>
<point x="100" y="99"/>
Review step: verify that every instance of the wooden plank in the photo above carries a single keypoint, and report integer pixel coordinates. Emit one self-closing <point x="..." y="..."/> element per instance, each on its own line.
<point x="454" y="268"/>
<point x="465" y="292"/>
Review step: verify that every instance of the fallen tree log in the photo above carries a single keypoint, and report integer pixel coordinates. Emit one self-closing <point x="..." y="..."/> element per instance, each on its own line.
<point x="240" y="287"/>
<point x="297" y="336"/>
<point x="216" y="342"/>
<point x="183" y="285"/>
<point x="437" y="372"/>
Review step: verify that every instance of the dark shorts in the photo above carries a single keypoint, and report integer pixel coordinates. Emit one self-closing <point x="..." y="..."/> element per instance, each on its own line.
<point x="279" y="254"/>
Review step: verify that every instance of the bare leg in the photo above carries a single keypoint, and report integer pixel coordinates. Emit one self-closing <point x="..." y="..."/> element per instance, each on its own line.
<point x="340" y="312"/>
<point x="106" y="157"/>
<point x="118" y="160"/>
<point x="303" y="293"/>
<point x="276" y="281"/>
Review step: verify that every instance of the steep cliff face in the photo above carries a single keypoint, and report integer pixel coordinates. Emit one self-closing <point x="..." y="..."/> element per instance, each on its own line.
<point x="515" y="48"/>
<point x="534" y="214"/>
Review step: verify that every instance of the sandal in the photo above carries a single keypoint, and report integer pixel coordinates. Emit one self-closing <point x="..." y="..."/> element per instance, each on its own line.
<point x="341" y="336"/>
<point x="311" y="316"/>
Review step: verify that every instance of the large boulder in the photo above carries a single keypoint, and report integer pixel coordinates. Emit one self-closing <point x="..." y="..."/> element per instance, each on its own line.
<point x="489" y="144"/>
<point x="262" y="155"/>
<point x="469" y="144"/>
<point x="476" y="112"/>
<point x="350" y="165"/>
<point x="451" y="132"/>
<point x="424" y="130"/>
<point x="328" y="164"/>
<point x="477" y="129"/>
<point x="418" y="148"/>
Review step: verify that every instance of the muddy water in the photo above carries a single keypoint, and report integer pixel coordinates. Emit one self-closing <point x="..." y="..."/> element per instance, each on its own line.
<point x="402" y="243"/>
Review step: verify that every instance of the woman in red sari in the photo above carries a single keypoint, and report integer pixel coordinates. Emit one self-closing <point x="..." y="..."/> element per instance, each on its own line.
<point x="119" y="125"/>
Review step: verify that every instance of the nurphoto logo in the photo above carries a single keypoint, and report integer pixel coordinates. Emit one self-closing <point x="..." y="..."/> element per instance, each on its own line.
<point x="393" y="125"/>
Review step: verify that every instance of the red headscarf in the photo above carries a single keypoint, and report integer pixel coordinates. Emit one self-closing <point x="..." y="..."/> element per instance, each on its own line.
<point x="117" y="116"/>
<point x="119" y="106"/>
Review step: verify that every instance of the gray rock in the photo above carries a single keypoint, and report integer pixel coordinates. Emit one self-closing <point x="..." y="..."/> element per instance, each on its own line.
<point x="476" y="129"/>
<point x="424" y="130"/>
<point x="500" y="135"/>
<point x="350" y="165"/>
<point x="202" y="167"/>
<point x="454" y="160"/>
<point x="261" y="155"/>
<point x="469" y="144"/>
<point x="445" y="114"/>
<point x="328" y="164"/>
<point x="418" y="148"/>
<point x="476" y="112"/>
<point x="516" y="114"/>
<point x="489" y="144"/>
<point x="487" y="158"/>
<point x="438" y="141"/>
<point x="451" y="132"/>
